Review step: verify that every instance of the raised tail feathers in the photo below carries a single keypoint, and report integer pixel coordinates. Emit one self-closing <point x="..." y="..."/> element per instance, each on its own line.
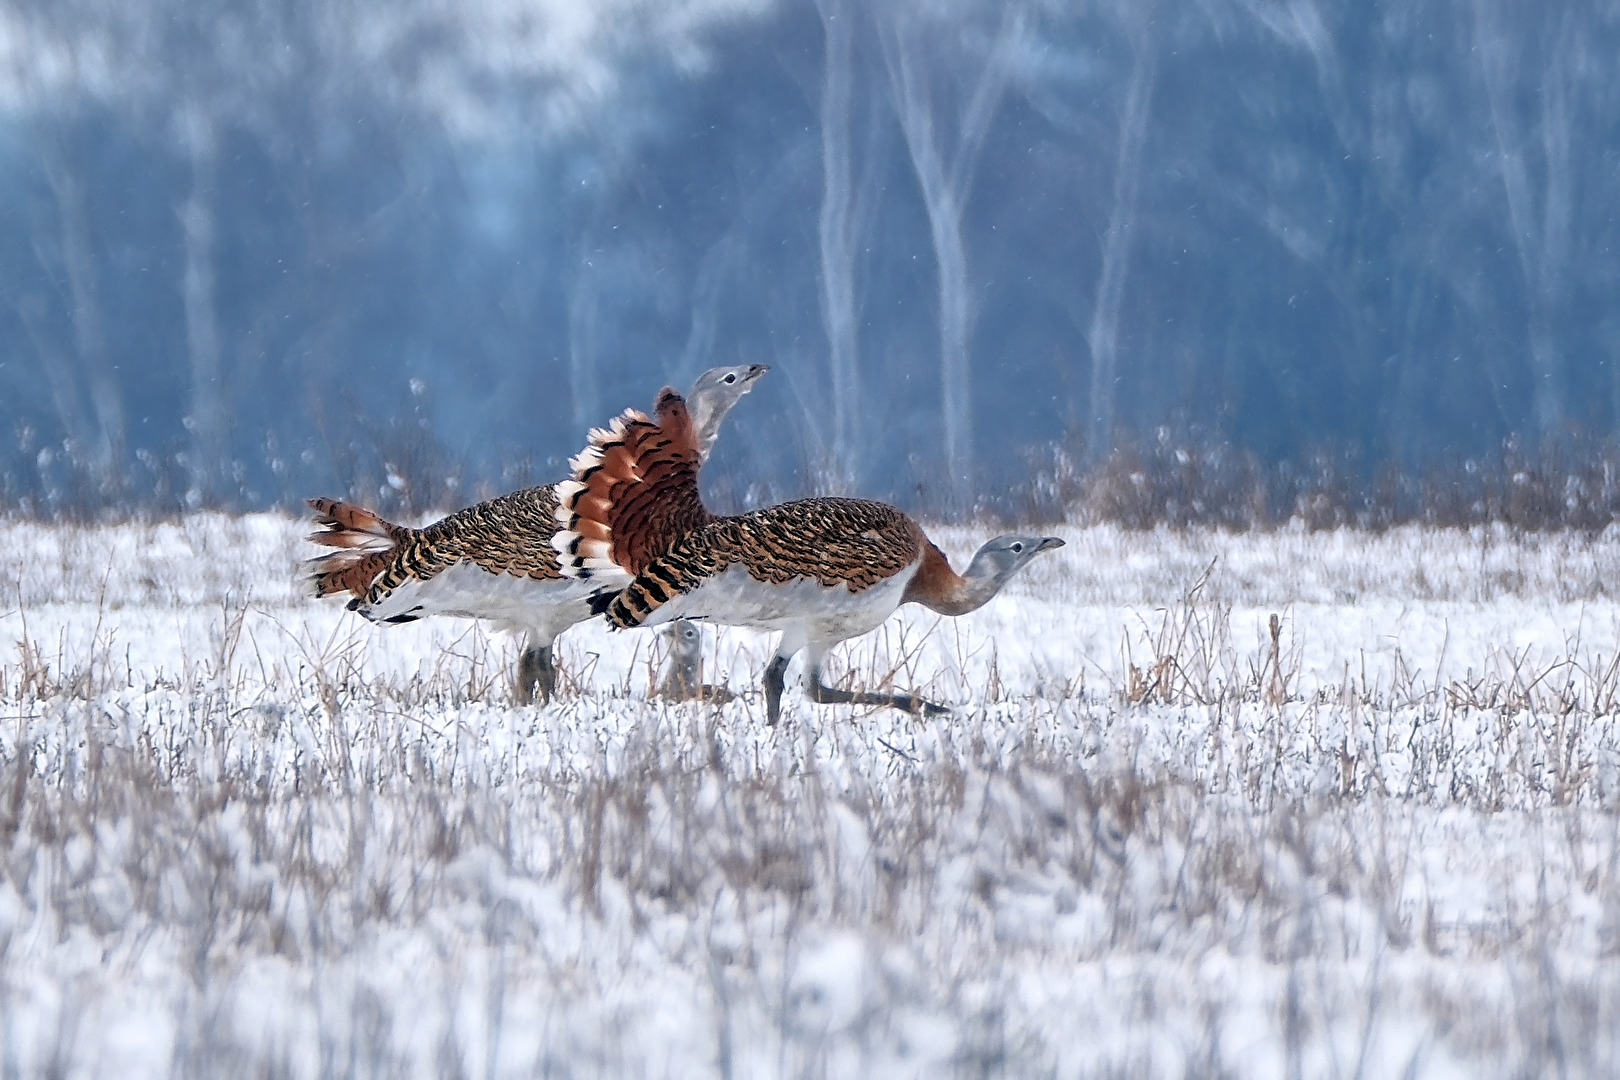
<point x="347" y="525"/>
<point x="584" y="537"/>
<point x="633" y="492"/>
<point x="363" y="541"/>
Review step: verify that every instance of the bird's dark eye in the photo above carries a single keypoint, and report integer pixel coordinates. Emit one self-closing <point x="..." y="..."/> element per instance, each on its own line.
<point x="1017" y="547"/>
<point x="731" y="379"/>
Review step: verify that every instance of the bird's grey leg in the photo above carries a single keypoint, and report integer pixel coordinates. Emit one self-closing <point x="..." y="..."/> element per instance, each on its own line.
<point x="775" y="672"/>
<point x="536" y="668"/>
<point x="822" y="694"/>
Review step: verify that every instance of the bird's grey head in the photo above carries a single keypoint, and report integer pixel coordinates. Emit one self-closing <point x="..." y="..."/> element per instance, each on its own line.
<point x="685" y="641"/>
<point x="1002" y="557"/>
<point x="712" y="396"/>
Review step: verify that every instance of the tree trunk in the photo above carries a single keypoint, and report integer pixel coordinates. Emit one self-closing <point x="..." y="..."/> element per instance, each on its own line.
<point x="58" y="369"/>
<point x="837" y="234"/>
<point x="207" y="420"/>
<point x="955" y="296"/>
<point x="1541" y="241"/>
<point x="102" y="447"/>
<point x="945" y="177"/>
<point x="1103" y="334"/>
<point x="955" y="328"/>
<point x="582" y="314"/>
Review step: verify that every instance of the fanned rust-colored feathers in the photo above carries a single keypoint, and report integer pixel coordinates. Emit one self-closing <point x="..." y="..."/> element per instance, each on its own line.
<point x="634" y="491"/>
<point x="607" y="462"/>
<point x="333" y="574"/>
<point x="364" y="542"/>
<point x="348" y="526"/>
<point x="855" y="543"/>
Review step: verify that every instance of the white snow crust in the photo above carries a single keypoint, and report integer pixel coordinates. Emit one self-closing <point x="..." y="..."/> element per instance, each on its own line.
<point x="243" y="832"/>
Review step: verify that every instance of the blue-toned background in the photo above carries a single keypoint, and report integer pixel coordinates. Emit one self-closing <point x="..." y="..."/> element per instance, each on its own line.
<point x="252" y="250"/>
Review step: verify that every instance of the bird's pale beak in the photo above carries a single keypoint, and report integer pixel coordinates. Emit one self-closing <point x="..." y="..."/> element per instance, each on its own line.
<point x="1049" y="542"/>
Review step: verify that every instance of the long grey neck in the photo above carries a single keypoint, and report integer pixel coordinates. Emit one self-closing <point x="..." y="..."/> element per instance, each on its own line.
<point x="706" y="423"/>
<point x="977" y="585"/>
<point x="706" y="442"/>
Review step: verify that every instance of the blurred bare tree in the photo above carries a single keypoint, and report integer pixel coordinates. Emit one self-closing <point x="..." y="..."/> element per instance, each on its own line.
<point x="240" y="234"/>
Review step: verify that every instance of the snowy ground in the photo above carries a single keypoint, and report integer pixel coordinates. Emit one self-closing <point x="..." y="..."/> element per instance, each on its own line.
<point x="244" y="833"/>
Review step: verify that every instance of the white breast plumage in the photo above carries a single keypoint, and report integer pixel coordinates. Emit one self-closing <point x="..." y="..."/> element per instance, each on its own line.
<point x="736" y="598"/>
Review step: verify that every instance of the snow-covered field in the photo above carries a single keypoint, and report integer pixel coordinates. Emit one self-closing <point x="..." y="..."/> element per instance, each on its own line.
<point x="243" y="833"/>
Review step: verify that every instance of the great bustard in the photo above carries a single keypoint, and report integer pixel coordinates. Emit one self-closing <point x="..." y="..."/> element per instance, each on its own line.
<point x="819" y="570"/>
<point x="682" y="679"/>
<point x="491" y="561"/>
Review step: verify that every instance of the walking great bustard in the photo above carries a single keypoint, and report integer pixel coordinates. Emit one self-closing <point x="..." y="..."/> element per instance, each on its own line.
<point x="819" y="570"/>
<point x="491" y="561"/>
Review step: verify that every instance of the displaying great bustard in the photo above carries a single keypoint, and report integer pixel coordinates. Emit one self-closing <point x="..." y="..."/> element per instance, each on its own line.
<point x="819" y="570"/>
<point x="491" y="561"/>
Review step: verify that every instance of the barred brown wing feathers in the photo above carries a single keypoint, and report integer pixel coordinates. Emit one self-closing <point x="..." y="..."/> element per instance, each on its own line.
<point x="853" y="542"/>
<point x="693" y="559"/>
<point x="849" y="542"/>
<point x="508" y="535"/>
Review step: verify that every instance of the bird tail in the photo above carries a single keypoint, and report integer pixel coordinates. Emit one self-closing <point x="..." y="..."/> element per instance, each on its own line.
<point x="633" y="492"/>
<point x="363" y="541"/>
